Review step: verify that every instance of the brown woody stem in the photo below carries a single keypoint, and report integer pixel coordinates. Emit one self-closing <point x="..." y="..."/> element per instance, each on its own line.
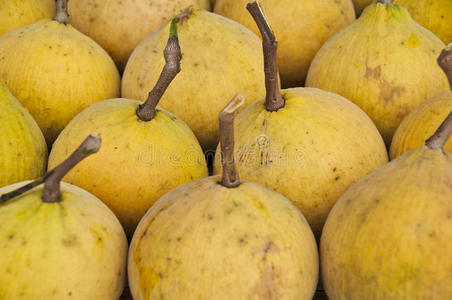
<point x="61" y="14"/>
<point x="173" y="56"/>
<point x="445" y="62"/>
<point x="230" y="176"/>
<point x="385" y="1"/>
<point x="273" y="101"/>
<point x="442" y="134"/>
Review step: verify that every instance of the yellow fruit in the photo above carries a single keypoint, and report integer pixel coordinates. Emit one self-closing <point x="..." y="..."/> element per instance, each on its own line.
<point x="384" y="62"/>
<point x="140" y="160"/>
<point x="55" y="72"/>
<point x="209" y="240"/>
<point x="118" y="26"/>
<point x="361" y="4"/>
<point x="311" y="149"/>
<point x="435" y="15"/>
<point x="71" y="248"/>
<point x="301" y="27"/>
<point x="23" y="151"/>
<point x="389" y="236"/>
<point x="16" y="13"/>
<point x="220" y="58"/>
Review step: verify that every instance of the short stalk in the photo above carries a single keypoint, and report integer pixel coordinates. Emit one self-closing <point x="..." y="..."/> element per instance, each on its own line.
<point x="61" y="14"/>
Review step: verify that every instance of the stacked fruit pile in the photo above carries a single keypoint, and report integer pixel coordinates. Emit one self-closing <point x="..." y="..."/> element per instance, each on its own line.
<point x="301" y="184"/>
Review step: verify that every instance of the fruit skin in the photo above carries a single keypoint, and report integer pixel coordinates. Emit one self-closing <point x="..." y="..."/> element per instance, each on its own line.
<point x="384" y="62"/>
<point x="55" y="72"/>
<point x="300" y="32"/>
<point x="433" y="15"/>
<point x="138" y="161"/>
<point x="361" y="4"/>
<point x="17" y="13"/>
<point x="119" y="26"/>
<point x="220" y="58"/>
<point x="388" y="236"/>
<point x="204" y="241"/>
<point x="74" y="249"/>
<point x="421" y="123"/>
<point x="23" y="150"/>
<point x="310" y="151"/>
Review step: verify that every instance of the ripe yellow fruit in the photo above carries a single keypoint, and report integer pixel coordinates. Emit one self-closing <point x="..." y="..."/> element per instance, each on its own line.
<point x="119" y="26"/>
<point x="140" y="160"/>
<point x="384" y="62"/>
<point x="220" y="58"/>
<point x="434" y="15"/>
<point x="389" y="236"/>
<point x="222" y="238"/>
<point x="17" y="13"/>
<point x="70" y="247"/>
<point x="301" y="27"/>
<point x="55" y="72"/>
<point x="23" y="151"/>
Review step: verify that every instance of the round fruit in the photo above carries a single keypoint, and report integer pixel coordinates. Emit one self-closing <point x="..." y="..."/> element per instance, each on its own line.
<point x="23" y="150"/>
<point x="222" y="238"/>
<point x="17" y="13"/>
<point x="307" y="144"/>
<point x="60" y="243"/>
<point x="146" y="151"/>
<point x="384" y="62"/>
<point x="221" y="57"/>
<point x="301" y="26"/>
<point x="119" y="26"/>
<point x="389" y="236"/>
<point x="55" y="71"/>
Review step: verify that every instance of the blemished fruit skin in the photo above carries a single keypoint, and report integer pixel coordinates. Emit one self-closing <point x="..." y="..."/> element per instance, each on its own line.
<point x="389" y="236"/>
<point x="384" y="62"/>
<point x="310" y="151"/>
<point x="435" y="15"/>
<point x="138" y="161"/>
<point x="361" y="4"/>
<point x="421" y="123"/>
<point x="23" y="150"/>
<point x="119" y="26"/>
<point x="205" y="241"/>
<point x="74" y="249"/>
<point x="55" y="72"/>
<point x="17" y="13"/>
<point x="219" y="58"/>
<point x="301" y="27"/>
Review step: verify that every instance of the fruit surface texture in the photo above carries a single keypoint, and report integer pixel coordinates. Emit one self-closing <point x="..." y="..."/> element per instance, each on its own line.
<point x="17" y="13"/>
<point x="384" y="62"/>
<point x="55" y="72"/>
<point x="23" y="151"/>
<point x="73" y="249"/>
<point x="119" y="26"/>
<point x="205" y="241"/>
<point x="138" y="162"/>
<point x="301" y="27"/>
<point x="311" y="150"/>
<point x="219" y="58"/>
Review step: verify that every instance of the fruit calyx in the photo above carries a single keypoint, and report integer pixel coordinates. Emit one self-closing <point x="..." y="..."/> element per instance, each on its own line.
<point x="385" y="1"/>
<point x="173" y="56"/>
<point x="445" y="62"/>
<point x="61" y="14"/>
<point x="273" y="100"/>
<point x="52" y="179"/>
<point x="230" y="177"/>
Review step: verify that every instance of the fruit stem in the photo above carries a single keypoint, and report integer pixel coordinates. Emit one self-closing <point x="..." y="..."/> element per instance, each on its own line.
<point x="445" y="62"/>
<point x="61" y="14"/>
<point x="273" y="100"/>
<point x="442" y="134"/>
<point x="173" y="56"/>
<point x="230" y="176"/>
<point x="52" y="178"/>
<point x="385" y="1"/>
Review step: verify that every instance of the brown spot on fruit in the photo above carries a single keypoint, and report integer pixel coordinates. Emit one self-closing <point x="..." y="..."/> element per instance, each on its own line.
<point x="373" y="72"/>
